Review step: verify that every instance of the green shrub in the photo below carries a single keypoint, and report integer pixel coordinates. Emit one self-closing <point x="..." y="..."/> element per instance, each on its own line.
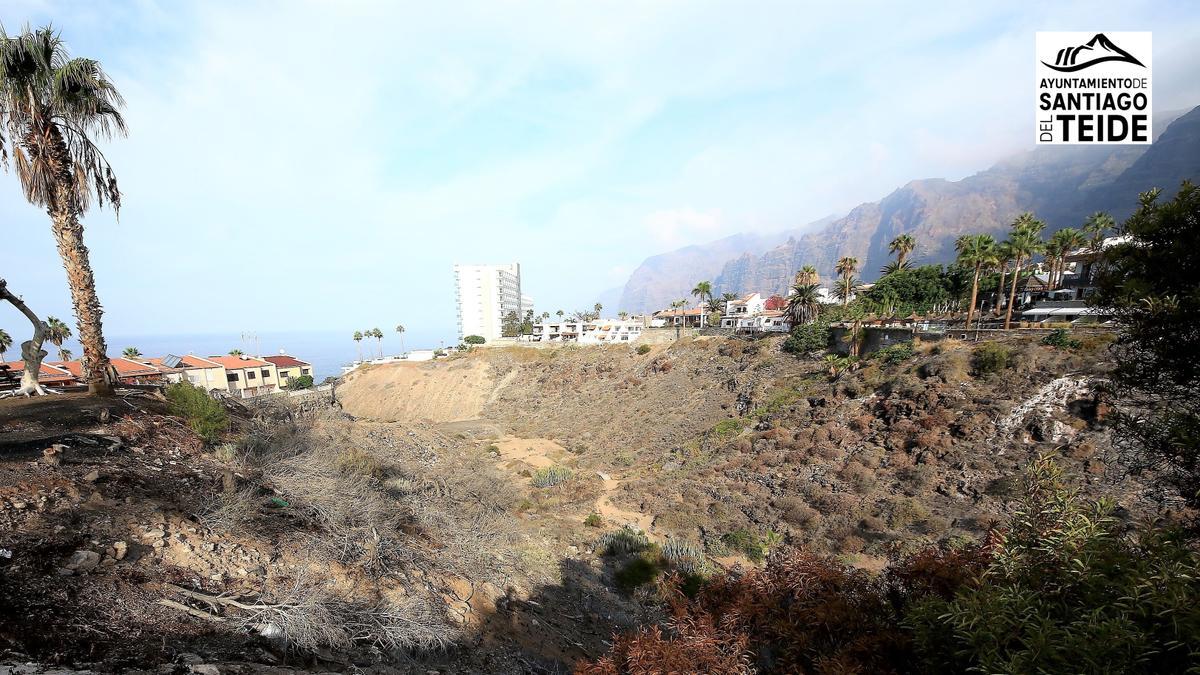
<point x="684" y="557"/>
<point x="551" y="476"/>
<point x="206" y="417"/>
<point x="730" y="426"/>
<point x="897" y="353"/>
<point x="594" y="520"/>
<point x="474" y="340"/>
<point x="752" y="546"/>
<point x="636" y="572"/>
<point x="643" y="349"/>
<point x="991" y="357"/>
<point x="623" y="541"/>
<point x="1060" y="338"/>
<point x="808" y="338"/>
<point x="302" y="382"/>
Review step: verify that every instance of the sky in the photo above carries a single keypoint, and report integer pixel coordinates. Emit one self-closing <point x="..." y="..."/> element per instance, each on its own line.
<point x="322" y="165"/>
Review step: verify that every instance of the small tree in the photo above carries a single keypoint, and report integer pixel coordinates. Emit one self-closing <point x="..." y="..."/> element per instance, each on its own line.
<point x="203" y="414"/>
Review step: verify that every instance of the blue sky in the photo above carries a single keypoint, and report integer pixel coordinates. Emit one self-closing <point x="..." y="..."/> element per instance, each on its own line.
<point x="306" y="165"/>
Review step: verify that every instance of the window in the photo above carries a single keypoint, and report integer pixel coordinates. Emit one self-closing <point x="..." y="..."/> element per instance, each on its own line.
<point x="232" y="377"/>
<point x="250" y="375"/>
<point x="304" y="371"/>
<point x="266" y="373"/>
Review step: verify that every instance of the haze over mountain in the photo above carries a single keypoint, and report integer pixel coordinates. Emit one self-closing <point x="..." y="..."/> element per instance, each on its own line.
<point x="1061" y="185"/>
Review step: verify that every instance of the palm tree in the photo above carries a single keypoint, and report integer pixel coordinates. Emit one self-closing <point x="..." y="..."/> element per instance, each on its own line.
<point x="1095" y="227"/>
<point x="129" y="353"/>
<point x="232" y="352"/>
<point x="846" y="267"/>
<point x="378" y="335"/>
<point x="65" y="354"/>
<point x="843" y="289"/>
<point x="57" y="332"/>
<point x="400" y="331"/>
<point x="678" y="305"/>
<point x="560" y="314"/>
<point x="1004" y="258"/>
<point x="52" y="107"/>
<point x="902" y="245"/>
<point x="807" y="276"/>
<point x="1025" y="238"/>
<point x="5" y="344"/>
<point x="976" y="251"/>
<point x="804" y="303"/>
<point x="704" y="292"/>
<point x="623" y="315"/>
<point x="358" y="338"/>
<point x="895" y="266"/>
<point x="1061" y="244"/>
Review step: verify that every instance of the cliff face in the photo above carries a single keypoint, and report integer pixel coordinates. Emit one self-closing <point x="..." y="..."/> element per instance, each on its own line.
<point x="1062" y="185"/>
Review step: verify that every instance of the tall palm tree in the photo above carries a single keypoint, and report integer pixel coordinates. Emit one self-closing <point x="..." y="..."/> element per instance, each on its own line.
<point x="976" y="251"/>
<point x="400" y="331"/>
<point x="358" y="338"/>
<point x="1004" y="259"/>
<point x="52" y="107"/>
<point x="560" y="313"/>
<point x="803" y="303"/>
<point x="1095" y="227"/>
<point x="130" y="353"/>
<point x="57" y="333"/>
<point x="843" y="289"/>
<point x="807" y="276"/>
<point x="894" y="266"/>
<point x="704" y="292"/>
<point x="846" y="267"/>
<point x="677" y="306"/>
<point x="65" y="354"/>
<point x="233" y="352"/>
<point x="378" y="335"/>
<point x="5" y="343"/>
<point x="1025" y="239"/>
<point x="1061" y="244"/>
<point x="902" y="245"/>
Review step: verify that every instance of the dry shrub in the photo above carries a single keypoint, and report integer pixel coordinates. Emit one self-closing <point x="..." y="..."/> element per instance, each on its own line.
<point x="851" y="544"/>
<point x="862" y="478"/>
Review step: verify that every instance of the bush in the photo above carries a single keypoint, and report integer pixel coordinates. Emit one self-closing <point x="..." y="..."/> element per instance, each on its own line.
<point x="623" y="541"/>
<point x="551" y="476"/>
<point x="302" y="382"/>
<point x="474" y="340"/>
<point x="643" y="349"/>
<point x="594" y="520"/>
<point x="684" y="557"/>
<point x="1061" y="339"/>
<point x="636" y="572"/>
<point x="729" y="426"/>
<point x="206" y="417"/>
<point x="990" y="357"/>
<point x="897" y="353"/>
<point x="808" y="338"/>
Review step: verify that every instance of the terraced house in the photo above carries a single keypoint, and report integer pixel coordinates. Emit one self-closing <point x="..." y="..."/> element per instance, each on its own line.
<point x="289" y="368"/>
<point x="247" y="376"/>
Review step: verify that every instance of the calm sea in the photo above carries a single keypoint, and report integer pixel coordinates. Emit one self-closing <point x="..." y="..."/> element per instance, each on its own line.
<point x="327" y="351"/>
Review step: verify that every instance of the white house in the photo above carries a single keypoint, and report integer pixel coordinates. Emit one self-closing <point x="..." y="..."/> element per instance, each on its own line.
<point x="744" y="307"/>
<point x="766" y="321"/>
<point x="598" y="332"/>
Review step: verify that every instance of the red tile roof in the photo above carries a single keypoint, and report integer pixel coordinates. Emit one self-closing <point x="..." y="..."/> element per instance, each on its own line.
<point x="285" y="361"/>
<point x="130" y="368"/>
<point x="193" y="361"/>
<point x="236" y="362"/>
<point x="73" y="367"/>
<point x="47" y="373"/>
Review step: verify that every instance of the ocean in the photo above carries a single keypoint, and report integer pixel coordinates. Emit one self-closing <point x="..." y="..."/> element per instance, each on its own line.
<point x="327" y="351"/>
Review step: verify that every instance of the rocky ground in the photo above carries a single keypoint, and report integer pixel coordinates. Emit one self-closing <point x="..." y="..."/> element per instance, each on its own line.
<point x="418" y="530"/>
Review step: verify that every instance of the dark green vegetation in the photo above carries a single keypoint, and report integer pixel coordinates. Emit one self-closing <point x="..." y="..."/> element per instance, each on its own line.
<point x="474" y="339"/>
<point x="1153" y="281"/>
<point x="1061" y="589"/>
<point x="302" y="382"/>
<point x="204" y="415"/>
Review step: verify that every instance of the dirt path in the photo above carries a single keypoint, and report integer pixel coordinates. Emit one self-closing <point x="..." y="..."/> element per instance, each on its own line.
<point x="539" y="453"/>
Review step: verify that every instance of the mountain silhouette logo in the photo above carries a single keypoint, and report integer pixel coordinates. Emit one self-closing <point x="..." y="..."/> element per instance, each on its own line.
<point x="1097" y="50"/>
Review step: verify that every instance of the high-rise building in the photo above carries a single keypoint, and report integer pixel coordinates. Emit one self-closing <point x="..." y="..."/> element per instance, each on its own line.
<point x="485" y="294"/>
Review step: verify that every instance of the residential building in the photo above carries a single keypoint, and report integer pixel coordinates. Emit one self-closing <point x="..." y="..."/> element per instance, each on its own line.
<point x="526" y="304"/>
<point x="695" y="317"/>
<point x="197" y="370"/>
<point x="745" y="306"/>
<point x="128" y="371"/>
<point x="597" y="332"/>
<point x="289" y="368"/>
<point x="49" y="375"/>
<point x="485" y="294"/>
<point x="1082" y="282"/>
<point x="248" y="376"/>
<point x="766" y="321"/>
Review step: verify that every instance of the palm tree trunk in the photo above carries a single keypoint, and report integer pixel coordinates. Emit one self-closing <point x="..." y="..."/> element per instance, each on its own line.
<point x="1000" y="287"/>
<point x="974" y="294"/>
<point x="68" y="235"/>
<point x="1012" y="295"/>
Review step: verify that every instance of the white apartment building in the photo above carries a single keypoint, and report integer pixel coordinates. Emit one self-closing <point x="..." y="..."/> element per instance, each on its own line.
<point x="484" y="295"/>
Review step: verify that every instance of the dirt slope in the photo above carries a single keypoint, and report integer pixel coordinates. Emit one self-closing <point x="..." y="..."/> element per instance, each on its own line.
<point x="418" y="392"/>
